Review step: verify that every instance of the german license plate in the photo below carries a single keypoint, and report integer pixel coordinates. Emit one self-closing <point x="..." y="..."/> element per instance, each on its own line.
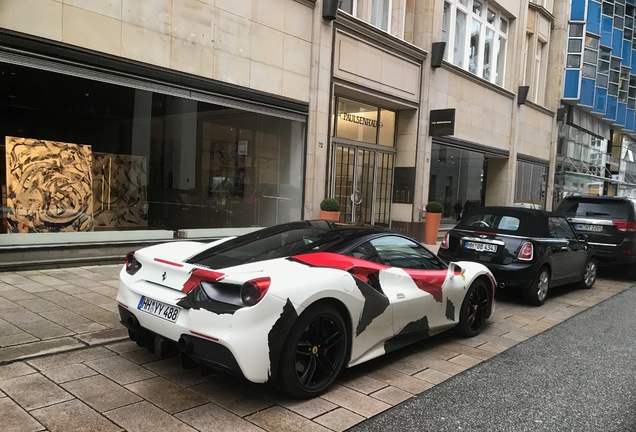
<point x="159" y="309"/>
<point x="480" y="247"/>
<point x="586" y="227"/>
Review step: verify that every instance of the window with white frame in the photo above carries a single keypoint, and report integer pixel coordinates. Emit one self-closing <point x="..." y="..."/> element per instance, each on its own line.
<point x="376" y="12"/>
<point x="536" y="55"/>
<point x="476" y="34"/>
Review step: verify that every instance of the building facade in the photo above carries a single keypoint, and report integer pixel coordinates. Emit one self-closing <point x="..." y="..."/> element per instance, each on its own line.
<point x="598" y="129"/>
<point x="140" y="121"/>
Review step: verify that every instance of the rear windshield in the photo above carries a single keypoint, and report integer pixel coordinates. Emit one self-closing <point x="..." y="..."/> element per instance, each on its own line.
<point x="497" y="222"/>
<point x="520" y="222"/>
<point x="600" y="209"/>
<point x="263" y="245"/>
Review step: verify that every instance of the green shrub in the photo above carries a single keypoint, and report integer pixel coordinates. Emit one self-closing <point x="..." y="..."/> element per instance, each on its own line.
<point x="433" y="207"/>
<point x="330" y="204"/>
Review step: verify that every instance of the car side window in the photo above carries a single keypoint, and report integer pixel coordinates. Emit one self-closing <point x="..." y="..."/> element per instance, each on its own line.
<point x="560" y="228"/>
<point x="367" y="252"/>
<point x="396" y="251"/>
<point x="508" y="223"/>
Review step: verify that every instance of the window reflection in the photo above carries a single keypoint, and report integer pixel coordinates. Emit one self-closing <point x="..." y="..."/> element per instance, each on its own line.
<point x="457" y="176"/>
<point x="148" y="160"/>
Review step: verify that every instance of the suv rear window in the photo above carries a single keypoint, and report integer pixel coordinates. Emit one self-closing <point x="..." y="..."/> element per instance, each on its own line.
<point x="609" y="209"/>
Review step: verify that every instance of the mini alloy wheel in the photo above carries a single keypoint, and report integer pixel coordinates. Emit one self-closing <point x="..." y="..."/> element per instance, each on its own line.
<point x="538" y="292"/>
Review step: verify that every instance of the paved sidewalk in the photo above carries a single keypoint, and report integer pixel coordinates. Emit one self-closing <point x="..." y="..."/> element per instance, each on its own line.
<point x="64" y="365"/>
<point x="47" y="311"/>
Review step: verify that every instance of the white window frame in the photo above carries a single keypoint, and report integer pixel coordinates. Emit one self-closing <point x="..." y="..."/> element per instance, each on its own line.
<point x="363" y="10"/>
<point x="460" y="55"/>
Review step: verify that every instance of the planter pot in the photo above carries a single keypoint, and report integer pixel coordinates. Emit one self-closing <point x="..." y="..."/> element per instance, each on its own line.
<point x="431" y="227"/>
<point x="330" y="215"/>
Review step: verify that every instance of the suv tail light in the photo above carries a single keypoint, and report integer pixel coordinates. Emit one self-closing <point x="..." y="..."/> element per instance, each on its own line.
<point x="625" y="226"/>
<point x="132" y="265"/>
<point x="254" y="290"/>
<point x="526" y="253"/>
<point x="444" y="244"/>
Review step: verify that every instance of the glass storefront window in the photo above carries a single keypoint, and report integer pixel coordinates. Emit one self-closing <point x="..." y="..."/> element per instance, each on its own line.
<point x="457" y="176"/>
<point x="83" y="155"/>
<point x="387" y="128"/>
<point x="530" y="185"/>
<point x="357" y="121"/>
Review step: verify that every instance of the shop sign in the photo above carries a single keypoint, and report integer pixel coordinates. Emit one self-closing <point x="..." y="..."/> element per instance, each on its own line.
<point x="442" y="122"/>
<point x="358" y="119"/>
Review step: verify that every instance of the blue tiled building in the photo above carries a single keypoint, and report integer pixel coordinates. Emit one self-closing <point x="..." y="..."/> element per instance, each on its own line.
<point x="598" y="132"/>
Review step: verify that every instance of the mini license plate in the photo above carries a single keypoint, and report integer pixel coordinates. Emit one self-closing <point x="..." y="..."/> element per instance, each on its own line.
<point x="480" y="247"/>
<point x="586" y="227"/>
<point x="157" y="308"/>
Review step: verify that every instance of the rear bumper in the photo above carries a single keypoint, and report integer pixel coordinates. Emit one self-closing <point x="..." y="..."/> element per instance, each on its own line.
<point x="202" y="351"/>
<point x="515" y="276"/>
<point x="237" y="342"/>
<point x="620" y="254"/>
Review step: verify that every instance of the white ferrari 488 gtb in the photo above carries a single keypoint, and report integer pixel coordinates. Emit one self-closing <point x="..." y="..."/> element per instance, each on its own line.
<point x="295" y="303"/>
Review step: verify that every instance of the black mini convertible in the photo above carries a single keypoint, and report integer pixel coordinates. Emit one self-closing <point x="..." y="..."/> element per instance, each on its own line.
<point x="526" y="249"/>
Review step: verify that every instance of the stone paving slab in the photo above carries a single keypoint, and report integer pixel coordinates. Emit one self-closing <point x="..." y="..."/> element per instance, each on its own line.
<point x="104" y="378"/>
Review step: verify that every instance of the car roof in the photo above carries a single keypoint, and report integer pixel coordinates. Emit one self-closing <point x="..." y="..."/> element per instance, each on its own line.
<point x="598" y="197"/>
<point x="532" y="222"/>
<point x="510" y="210"/>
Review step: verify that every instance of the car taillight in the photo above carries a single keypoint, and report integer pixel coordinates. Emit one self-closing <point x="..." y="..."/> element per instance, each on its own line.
<point x="254" y="290"/>
<point x="132" y="265"/>
<point x="625" y="226"/>
<point x="444" y="244"/>
<point x="526" y="253"/>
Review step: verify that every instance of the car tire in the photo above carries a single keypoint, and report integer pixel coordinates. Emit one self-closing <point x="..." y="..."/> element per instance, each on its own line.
<point x="538" y="291"/>
<point x="314" y="352"/>
<point x="589" y="274"/>
<point x="475" y="309"/>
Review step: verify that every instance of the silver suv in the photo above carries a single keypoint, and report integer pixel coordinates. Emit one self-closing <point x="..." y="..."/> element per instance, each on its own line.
<point x="608" y="222"/>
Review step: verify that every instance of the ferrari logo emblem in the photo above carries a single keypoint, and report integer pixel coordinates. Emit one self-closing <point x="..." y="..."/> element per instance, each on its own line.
<point x="163" y="277"/>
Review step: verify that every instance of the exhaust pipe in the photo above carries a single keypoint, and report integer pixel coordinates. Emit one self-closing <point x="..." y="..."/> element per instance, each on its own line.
<point x="185" y="345"/>
<point x="133" y="323"/>
<point x="501" y="285"/>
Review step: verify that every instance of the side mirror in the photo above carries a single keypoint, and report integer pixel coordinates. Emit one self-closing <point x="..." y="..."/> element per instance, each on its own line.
<point x="456" y="270"/>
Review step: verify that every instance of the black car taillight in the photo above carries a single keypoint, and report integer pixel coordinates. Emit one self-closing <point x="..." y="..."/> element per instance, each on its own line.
<point x="526" y="252"/>
<point x="132" y="265"/>
<point x="254" y="290"/>
<point x="444" y="244"/>
<point x="625" y="226"/>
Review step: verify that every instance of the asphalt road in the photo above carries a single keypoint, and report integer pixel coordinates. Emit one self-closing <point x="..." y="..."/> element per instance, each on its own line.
<point x="577" y="376"/>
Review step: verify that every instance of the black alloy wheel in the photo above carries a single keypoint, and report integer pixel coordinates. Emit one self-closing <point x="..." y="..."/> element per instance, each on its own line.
<point x="475" y="309"/>
<point x="314" y="353"/>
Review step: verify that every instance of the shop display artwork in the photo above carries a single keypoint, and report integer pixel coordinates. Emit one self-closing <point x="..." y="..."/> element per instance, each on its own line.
<point x="49" y="186"/>
<point x="120" y="185"/>
<point x="59" y="187"/>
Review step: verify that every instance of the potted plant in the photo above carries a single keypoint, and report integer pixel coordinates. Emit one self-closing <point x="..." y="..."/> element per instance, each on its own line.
<point x="330" y="209"/>
<point x="431" y="224"/>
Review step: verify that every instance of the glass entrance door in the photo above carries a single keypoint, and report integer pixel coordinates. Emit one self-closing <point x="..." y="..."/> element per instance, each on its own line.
<point x="363" y="181"/>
